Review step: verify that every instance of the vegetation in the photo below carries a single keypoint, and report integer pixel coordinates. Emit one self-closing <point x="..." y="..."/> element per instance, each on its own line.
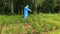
<point x="44" y="18"/>
<point x="42" y="23"/>
<point x="17" y="6"/>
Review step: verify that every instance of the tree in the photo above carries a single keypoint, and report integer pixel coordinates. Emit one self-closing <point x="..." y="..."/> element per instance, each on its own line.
<point x="48" y="6"/>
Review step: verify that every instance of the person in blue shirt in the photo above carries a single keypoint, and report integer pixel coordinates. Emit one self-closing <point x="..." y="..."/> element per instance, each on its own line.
<point x="26" y="9"/>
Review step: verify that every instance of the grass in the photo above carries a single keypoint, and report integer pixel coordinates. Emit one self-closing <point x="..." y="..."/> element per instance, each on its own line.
<point x="39" y="24"/>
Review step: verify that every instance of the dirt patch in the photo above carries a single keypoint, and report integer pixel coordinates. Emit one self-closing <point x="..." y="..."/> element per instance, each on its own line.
<point x="26" y="26"/>
<point x="4" y="28"/>
<point x="43" y="32"/>
<point x="15" y="28"/>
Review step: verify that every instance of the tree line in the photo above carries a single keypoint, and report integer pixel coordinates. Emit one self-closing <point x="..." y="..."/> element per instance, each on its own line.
<point x="16" y="6"/>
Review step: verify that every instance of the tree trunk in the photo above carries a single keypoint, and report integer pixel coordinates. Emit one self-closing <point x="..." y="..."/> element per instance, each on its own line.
<point x="12" y="11"/>
<point x="36" y="6"/>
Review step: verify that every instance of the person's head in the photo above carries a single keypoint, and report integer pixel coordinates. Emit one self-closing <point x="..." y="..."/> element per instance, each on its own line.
<point x="27" y="5"/>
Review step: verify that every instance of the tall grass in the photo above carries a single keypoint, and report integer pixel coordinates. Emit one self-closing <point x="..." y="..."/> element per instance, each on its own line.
<point x="39" y="22"/>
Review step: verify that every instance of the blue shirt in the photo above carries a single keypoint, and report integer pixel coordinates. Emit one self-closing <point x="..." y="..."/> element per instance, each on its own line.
<point x="26" y="9"/>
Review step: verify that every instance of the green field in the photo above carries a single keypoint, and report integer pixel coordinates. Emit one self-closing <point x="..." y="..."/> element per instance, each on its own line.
<point x="36" y="23"/>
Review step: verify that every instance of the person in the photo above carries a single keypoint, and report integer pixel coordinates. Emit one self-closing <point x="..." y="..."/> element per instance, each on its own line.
<point x="26" y="9"/>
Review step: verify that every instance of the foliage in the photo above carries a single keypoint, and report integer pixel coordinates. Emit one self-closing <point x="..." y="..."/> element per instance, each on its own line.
<point x="45" y="6"/>
<point x="40" y="23"/>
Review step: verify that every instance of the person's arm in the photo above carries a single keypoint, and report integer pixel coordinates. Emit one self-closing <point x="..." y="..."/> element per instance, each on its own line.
<point x="29" y="9"/>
